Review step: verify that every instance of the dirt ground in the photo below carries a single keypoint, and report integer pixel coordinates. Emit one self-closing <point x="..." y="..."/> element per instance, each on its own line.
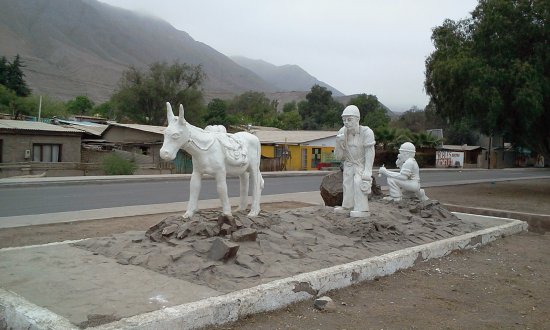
<point x="504" y="285"/>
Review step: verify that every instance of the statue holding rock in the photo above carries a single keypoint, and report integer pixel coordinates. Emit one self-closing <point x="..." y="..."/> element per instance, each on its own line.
<point x="408" y="178"/>
<point x="355" y="146"/>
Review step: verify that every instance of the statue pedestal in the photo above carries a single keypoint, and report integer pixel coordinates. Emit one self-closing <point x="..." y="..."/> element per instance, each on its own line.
<point x="359" y="214"/>
<point x="341" y="210"/>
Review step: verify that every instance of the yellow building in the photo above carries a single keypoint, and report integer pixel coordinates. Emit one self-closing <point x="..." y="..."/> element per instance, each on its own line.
<point x="296" y="150"/>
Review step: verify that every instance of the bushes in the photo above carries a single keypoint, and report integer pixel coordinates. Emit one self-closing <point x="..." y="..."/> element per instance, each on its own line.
<point x="113" y="164"/>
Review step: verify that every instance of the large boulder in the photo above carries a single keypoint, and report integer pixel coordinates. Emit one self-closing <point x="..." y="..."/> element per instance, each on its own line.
<point x="331" y="189"/>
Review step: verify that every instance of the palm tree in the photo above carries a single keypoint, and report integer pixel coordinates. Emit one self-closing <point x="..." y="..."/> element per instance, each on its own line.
<point x="385" y="136"/>
<point x="403" y="135"/>
<point x="425" y="140"/>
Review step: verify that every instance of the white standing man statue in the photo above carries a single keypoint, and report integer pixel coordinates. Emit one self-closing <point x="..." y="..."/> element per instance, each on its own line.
<point x="355" y="146"/>
<point x="408" y="178"/>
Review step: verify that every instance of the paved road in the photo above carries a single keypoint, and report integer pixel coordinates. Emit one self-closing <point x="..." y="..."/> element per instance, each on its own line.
<point x="41" y="199"/>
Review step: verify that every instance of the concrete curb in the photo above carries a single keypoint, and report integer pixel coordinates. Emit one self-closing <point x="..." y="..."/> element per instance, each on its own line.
<point x="17" y="313"/>
<point x="277" y="294"/>
<point x="465" y="182"/>
<point x="538" y="223"/>
<point x="141" y="210"/>
<point x="78" y="180"/>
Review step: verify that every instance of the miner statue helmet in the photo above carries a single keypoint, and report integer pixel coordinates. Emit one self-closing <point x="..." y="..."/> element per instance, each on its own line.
<point x="351" y="110"/>
<point x="407" y="147"/>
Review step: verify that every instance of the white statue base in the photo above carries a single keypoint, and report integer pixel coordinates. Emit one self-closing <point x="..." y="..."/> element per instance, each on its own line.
<point x="353" y="214"/>
<point x="341" y="210"/>
<point x="359" y="214"/>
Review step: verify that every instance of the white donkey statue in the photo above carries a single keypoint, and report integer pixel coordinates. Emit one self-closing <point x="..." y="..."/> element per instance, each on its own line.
<point x="216" y="153"/>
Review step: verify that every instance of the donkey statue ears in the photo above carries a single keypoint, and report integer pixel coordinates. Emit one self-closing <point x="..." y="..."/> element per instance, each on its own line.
<point x="170" y="113"/>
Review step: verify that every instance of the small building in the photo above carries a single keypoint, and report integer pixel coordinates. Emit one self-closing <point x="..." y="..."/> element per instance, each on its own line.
<point x="466" y="156"/>
<point x="496" y="153"/>
<point x="298" y="150"/>
<point x="141" y="142"/>
<point x="30" y="148"/>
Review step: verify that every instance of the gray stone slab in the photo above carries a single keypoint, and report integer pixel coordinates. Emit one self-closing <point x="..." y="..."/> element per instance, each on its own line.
<point x="75" y="283"/>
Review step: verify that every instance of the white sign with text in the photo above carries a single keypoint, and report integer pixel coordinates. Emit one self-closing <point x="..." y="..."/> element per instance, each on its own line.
<point x="449" y="159"/>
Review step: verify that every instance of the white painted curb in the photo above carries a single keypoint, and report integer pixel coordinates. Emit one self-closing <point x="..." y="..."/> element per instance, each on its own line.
<point x="18" y="313"/>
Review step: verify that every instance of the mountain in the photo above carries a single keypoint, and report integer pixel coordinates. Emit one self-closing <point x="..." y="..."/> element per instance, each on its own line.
<point x="286" y="78"/>
<point x="81" y="47"/>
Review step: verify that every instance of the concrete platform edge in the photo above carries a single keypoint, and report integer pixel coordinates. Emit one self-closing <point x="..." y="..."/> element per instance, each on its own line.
<point x="277" y="294"/>
<point x="538" y="223"/>
<point x="17" y="313"/>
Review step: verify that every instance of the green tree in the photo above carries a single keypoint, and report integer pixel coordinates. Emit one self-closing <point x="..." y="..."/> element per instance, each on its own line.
<point x="460" y="132"/>
<point x="413" y="119"/>
<point x="105" y="110"/>
<point x="290" y="118"/>
<point x="424" y="140"/>
<point x="80" y="105"/>
<point x="403" y="135"/>
<point x="367" y="104"/>
<point x="493" y="70"/>
<point x="7" y="99"/>
<point x="216" y="112"/>
<point x="12" y="76"/>
<point x="432" y="118"/>
<point x="253" y="108"/>
<point x="4" y="66"/>
<point x="320" y="110"/>
<point x="142" y="95"/>
<point x="376" y="118"/>
<point x="385" y="136"/>
<point x="290" y="106"/>
<point x="50" y="106"/>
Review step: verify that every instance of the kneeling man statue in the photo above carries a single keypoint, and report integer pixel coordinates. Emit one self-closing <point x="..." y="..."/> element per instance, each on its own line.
<point x="408" y="177"/>
<point x="355" y="146"/>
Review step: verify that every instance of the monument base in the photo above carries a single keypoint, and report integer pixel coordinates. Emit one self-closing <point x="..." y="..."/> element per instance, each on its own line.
<point x="359" y="214"/>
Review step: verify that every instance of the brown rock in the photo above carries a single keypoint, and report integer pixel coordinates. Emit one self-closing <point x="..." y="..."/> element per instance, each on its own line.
<point x="225" y="229"/>
<point x="425" y="214"/>
<point x="183" y="233"/>
<point x="228" y="220"/>
<point x="324" y="304"/>
<point x="169" y="230"/>
<point x="331" y="189"/>
<point x="244" y="235"/>
<point x="376" y="190"/>
<point x="223" y="250"/>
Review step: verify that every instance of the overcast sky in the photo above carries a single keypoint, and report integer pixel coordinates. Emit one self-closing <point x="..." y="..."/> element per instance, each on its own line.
<point x="357" y="46"/>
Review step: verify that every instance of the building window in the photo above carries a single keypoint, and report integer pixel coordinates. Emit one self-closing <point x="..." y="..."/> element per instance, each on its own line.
<point x="49" y="153"/>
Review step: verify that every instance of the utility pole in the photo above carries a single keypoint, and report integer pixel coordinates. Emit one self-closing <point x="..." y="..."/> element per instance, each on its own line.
<point x="489" y="158"/>
<point x="40" y="108"/>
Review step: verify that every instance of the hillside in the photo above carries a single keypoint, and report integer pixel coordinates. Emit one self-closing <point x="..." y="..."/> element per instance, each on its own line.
<point x="81" y="47"/>
<point x="285" y="78"/>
